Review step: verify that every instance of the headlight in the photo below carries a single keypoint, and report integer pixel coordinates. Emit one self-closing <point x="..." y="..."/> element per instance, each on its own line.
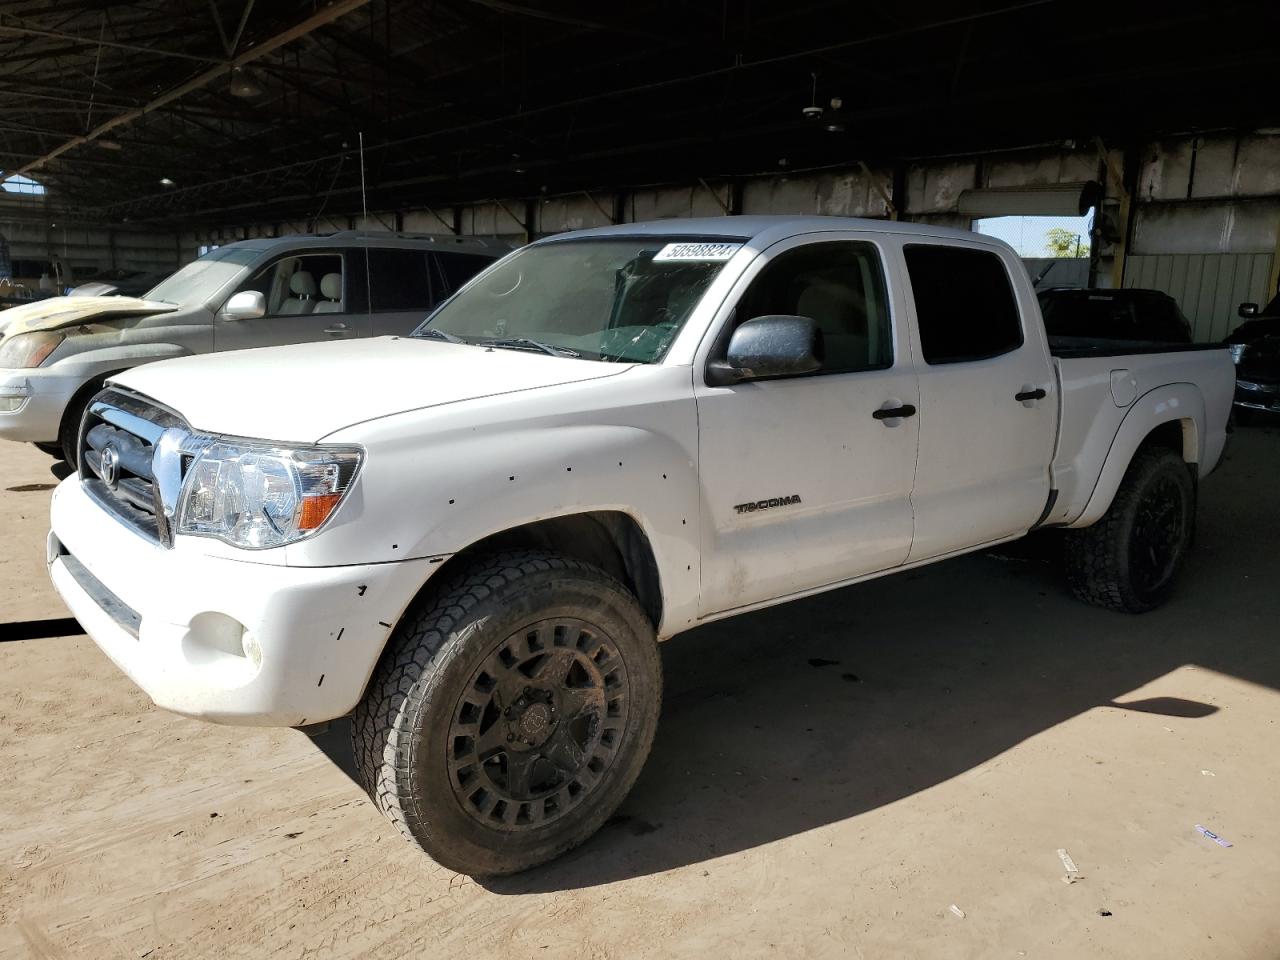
<point x="23" y="351"/>
<point x="1237" y="351"/>
<point x="259" y="495"/>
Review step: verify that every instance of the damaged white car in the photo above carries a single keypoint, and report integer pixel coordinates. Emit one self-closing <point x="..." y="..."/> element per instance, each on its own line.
<point x="55" y="354"/>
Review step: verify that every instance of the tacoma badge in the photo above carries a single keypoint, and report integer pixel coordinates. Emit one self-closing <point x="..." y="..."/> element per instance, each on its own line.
<point x="766" y="504"/>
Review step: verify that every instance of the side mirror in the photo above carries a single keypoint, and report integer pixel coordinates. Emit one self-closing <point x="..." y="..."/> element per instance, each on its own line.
<point x="245" y="305"/>
<point x="771" y="346"/>
<point x="1247" y="310"/>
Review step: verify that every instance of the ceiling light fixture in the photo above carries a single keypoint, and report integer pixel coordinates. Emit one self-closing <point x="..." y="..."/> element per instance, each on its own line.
<point x="244" y="84"/>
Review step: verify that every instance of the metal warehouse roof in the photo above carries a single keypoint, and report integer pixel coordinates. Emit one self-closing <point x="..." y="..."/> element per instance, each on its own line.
<point x="190" y="110"/>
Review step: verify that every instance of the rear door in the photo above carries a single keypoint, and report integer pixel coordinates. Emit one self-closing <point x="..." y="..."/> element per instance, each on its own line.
<point x="805" y="481"/>
<point x="401" y="289"/>
<point x="988" y="404"/>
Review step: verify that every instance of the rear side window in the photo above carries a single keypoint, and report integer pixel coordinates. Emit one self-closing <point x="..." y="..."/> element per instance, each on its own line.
<point x="964" y="303"/>
<point x="458" y="268"/>
<point x="399" y="280"/>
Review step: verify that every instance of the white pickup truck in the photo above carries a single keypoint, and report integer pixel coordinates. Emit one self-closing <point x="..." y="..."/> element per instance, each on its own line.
<point x="471" y="538"/>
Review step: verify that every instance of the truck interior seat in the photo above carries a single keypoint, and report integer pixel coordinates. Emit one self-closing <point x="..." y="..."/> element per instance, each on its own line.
<point x="838" y="310"/>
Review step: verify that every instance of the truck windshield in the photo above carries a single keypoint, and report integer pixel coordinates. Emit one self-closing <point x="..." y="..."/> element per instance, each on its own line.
<point x="200" y="279"/>
<point x="610" y="298"/>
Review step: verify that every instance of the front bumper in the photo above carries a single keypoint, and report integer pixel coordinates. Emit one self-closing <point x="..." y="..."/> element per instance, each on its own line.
<point x="1257" y="396"/>
<point x="39" y="397"/>
<point x="221" y="639"/>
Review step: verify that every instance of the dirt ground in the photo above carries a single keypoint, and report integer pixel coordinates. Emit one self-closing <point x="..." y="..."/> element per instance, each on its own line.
<point x="830" y="778"/>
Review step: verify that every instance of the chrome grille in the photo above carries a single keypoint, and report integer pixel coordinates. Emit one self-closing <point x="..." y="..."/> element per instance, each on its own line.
<point x="133" y="454"/>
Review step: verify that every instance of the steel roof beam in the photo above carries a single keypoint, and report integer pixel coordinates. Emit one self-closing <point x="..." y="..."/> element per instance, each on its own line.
<point x="324" y="16"/>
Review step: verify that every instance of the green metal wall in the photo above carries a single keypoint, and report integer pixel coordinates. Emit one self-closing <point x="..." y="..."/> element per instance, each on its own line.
<point x="1208" y="287"/>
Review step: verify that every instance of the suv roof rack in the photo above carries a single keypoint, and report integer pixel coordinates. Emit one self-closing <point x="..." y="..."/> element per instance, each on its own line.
<point x="431" y="237"/>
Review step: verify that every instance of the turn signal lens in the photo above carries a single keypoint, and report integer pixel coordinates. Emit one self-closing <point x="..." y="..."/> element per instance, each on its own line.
<point x="316" y="510"/>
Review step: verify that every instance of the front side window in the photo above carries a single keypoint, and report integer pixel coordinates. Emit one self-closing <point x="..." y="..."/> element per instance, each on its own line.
<point x="840" y="286"/>
<point x="609" y="298"/>
<point x="965" y="306"/>
<point x="300" y="285"/>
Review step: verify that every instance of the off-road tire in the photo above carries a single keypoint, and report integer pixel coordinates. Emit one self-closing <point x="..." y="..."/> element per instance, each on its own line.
<point x="402" y="730"/>
<point x="1102" y="562"/>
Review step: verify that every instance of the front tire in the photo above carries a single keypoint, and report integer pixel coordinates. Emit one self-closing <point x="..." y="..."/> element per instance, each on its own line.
<point x="511" y="713"/>
<point x="69" y="429"/>
<point x="1130" y="559"/>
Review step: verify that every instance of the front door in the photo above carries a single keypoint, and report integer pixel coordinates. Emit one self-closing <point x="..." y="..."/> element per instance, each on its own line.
<point x="988" y="401"/>
<point x="308" y="297"/>
<point x="804" y="485"/>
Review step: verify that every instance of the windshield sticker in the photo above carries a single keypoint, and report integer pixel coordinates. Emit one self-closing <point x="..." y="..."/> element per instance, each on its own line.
<point x="697" y="251"/>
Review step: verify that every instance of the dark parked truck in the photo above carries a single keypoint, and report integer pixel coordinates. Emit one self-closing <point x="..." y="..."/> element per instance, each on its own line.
<point x="472" y="538"/>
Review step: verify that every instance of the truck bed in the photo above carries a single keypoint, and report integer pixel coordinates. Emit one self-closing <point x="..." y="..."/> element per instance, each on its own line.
<point x="1100" y="381"/>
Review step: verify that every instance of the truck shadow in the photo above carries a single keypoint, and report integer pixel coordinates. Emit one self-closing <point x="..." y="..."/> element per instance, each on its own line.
<point x="782" y="721"/>
<point x="814" y="712"/>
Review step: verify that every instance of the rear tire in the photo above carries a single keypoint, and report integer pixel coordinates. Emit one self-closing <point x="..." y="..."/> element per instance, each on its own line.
<point x="1130" y="559"/>
<point x="512" y="712"/>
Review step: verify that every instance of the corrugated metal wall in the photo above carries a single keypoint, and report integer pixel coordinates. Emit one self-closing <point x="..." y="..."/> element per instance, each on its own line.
<point x="1208" y="287"/>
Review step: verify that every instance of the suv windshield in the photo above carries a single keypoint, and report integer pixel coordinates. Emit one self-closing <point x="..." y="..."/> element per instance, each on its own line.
<point x="611" y="298"/>
<point x="200" y="279"/>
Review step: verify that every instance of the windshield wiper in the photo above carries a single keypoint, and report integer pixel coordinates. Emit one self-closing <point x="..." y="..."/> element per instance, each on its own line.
<point x="435" y="334"/>
<point x="527" y="343"/>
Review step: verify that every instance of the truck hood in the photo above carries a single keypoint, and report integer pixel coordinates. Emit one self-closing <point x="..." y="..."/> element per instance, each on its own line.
<point x="305" y="392"/>
<point x="55" y="312"/>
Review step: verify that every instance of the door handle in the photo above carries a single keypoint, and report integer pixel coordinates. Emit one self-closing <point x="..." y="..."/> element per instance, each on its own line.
<point x="337" y="330"/>
<point x="1024" y="395"/>
<point x="895" y="413"/>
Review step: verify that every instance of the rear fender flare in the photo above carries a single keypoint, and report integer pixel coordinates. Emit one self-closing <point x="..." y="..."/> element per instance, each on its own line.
<point x="1176" y="402"/>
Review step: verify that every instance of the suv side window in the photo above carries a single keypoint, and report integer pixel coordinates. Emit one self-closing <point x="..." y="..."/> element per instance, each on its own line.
<point x="457" y="268"/>
<point x="296" y="284"/>
<point x="399" y="280"/>
<point x="840" y="286"/>
<point x="965" y="306"/>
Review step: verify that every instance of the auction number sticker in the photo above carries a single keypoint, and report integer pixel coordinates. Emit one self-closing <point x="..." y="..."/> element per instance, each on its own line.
<point x="697" y="251"/>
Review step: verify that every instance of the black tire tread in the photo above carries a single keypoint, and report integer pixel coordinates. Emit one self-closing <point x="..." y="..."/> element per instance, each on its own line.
<point x="381" y="740"/>
<point x="1096" y="570"/>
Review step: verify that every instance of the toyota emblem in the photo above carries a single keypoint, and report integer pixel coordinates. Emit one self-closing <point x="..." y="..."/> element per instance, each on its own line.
<point x="110" y="466"/>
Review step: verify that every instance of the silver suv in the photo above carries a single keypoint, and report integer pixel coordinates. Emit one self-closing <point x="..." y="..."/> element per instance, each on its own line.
<point x="56" y="353"/>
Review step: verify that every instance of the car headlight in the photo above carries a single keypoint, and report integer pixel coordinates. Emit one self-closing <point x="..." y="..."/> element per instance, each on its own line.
<point x="1237" y="351"/>
<point x="22" y="351"/>
<point x="259" y="495"/>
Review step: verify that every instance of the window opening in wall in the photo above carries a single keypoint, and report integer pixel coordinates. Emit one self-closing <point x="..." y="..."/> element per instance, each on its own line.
<point x="21" y="184"/>
<point x="1056" y="250"/>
